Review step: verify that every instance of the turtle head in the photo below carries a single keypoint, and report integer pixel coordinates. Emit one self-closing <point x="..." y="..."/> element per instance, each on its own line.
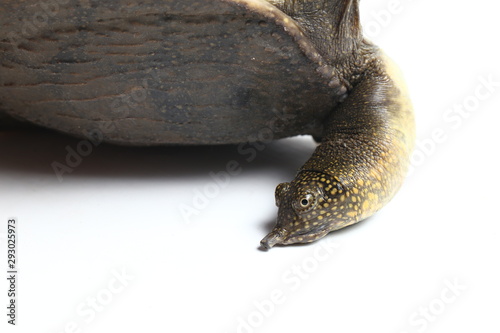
<point x="309" y="207"/>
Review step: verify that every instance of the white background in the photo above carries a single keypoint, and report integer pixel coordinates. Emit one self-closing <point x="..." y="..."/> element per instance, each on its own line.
<point x="118" y="213"/>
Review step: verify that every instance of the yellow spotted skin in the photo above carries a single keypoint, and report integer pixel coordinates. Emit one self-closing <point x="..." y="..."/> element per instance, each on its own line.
<point x="367" y="140"/>
<point x="359" y="165"/>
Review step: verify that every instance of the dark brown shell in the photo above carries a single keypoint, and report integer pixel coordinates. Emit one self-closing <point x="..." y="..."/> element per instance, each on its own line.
<point x="161" y="72"/>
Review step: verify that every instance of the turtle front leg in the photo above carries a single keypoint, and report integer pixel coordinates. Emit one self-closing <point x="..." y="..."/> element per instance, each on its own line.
<point x="359" y="165"/>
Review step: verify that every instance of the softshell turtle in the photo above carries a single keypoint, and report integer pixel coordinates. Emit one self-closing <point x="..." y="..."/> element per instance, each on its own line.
<point x="150" y="72"/>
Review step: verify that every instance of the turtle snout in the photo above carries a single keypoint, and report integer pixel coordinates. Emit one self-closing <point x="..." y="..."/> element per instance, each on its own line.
<point x="276" y="236"/>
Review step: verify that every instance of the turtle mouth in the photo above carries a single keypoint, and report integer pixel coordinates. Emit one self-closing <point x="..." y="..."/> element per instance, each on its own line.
<point x="305" y="238"/>
<point x="279" y="236"/>
<point x="276" y="236"/>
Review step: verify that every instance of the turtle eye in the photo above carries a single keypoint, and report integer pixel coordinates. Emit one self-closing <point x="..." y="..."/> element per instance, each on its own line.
<point x="305" y="203"/>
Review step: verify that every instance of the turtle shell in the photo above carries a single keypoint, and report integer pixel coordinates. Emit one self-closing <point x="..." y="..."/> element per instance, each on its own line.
<point x="147" y="72"/>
